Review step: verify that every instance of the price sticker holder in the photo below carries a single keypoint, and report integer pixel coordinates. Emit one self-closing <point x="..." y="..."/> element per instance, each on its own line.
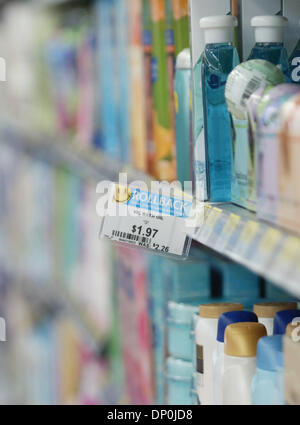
<point x="148" y="219"/>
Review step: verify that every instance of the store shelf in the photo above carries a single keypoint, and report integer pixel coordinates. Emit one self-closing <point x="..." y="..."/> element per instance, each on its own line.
<point x="265" y="249"/>
<point x="224" y="228"/>
<point x="85" y="163"/>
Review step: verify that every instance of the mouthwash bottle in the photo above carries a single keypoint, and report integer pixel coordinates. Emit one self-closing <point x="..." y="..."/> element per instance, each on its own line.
<point x="294" y="63"/>
<point x="268" y="32"/>
<point x="218" y="60"/>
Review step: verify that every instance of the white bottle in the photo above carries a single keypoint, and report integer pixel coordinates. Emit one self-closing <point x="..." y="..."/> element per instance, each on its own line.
<point x="240" y="361"/>
<point x="206" y="333"/>
<point x="225" y="320"/>
<point x="266" y="312"/>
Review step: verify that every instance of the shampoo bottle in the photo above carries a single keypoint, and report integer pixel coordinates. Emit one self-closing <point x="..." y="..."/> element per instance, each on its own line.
<point x="240" y="361"/>
<point x="218" y="60"/>
<point x="266" y="312"/>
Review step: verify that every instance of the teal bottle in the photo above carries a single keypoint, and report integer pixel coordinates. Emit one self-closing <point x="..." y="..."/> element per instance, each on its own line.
<point x="269" y="46"/>
<point x="218" y="60"/>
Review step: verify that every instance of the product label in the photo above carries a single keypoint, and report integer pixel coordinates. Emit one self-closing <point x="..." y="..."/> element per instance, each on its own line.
<point x="147" y="219"/>
<point x="200" y="359"/>
<point x="295" y="67"/>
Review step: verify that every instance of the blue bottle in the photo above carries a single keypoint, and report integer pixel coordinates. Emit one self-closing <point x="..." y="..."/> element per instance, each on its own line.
<point x="269" y="46"/>
<point x="282" y="319"/>
<point x="218" y="60"/>
<point x="183" y="117"/>
<point x="267" y="384"/>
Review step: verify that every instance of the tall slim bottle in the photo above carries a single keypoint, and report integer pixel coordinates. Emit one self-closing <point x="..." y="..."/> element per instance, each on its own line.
<point x="268" y="32"/>
<point x="218" y="60"/>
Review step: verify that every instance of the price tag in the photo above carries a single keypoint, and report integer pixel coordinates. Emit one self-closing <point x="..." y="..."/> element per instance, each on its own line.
<point x="146" y="219"/>
<point x="213" y="216"/>
<point x="269" y="241"/>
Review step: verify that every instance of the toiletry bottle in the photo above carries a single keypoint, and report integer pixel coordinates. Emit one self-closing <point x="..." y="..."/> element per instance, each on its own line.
<point x="266" y="312"/>
<point x="179" y="375"/>
<point x="294" y="63"/>
<point x="268" y="32"/>
<point x="218" y="60"/>
<point x="291" y="355"/>
<point x="206" y="332"/>
<point x="266" y="385"/>
<point x="240" y="361"/>
<point x="182" y="116"/>
<point x="218" y="356"/>
<point x="283" y="318"/>
<point x="242" y="82"/>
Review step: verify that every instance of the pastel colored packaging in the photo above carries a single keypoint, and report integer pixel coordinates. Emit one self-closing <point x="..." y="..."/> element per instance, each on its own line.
<point x="241" y="84"/>
<point x="147" y="44"/>
<point x="164" y="135"/>
<point x="138" y="105"/>
<point x="267" y="135"/>
<point x="181" y="25"/>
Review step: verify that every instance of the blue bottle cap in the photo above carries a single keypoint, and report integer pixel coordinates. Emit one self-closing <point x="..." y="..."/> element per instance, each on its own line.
<point x="233" y="317"/>
<point x="282" y="319"/>
<point x="269" y="353"/>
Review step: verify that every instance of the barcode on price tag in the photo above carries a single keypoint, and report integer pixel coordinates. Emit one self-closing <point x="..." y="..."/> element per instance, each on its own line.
<point x="148" y="220"/>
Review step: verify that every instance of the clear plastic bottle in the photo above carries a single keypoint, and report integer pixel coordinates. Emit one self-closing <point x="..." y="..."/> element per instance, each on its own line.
<point x="269" y="46"/>
<point x="217" y="61"/>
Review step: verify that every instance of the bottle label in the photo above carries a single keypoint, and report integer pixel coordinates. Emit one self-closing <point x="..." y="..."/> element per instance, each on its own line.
<point x="200" y="359"/>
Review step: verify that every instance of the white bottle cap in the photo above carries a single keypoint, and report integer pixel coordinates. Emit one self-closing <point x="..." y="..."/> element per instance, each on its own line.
<point x="183" y="60"/>
<point x="218" y="29"/>
<point x="269" y="28"/>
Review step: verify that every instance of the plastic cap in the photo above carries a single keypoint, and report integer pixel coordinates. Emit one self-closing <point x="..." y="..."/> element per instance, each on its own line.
<point x="269" y="28"/>
<point x="183" y="60"/>
<point x="241" y="338"/>
<point x="218" y="29"/>
<point x="291" y="327"/>
<point x="179" y="368"/>
<point x="270" y="353"/>
<point x="282" y="319"/>
<point x="233" y="317"/>
<point x="214" y="310"/>
<point x="268" y="310"/>
<point x="181" y="313"/>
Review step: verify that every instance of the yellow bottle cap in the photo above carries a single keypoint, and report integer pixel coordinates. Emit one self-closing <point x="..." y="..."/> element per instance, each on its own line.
<point x="241" y="338"/>
<point x="214" y="310"/>
<point x="268" y="310"/>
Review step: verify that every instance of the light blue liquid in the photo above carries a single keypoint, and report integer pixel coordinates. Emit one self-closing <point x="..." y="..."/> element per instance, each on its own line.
<point x="218" y="61"/>
<point x="294" y="64"/>
<point x="274" y="53"/>
<point x="183" y="125"/>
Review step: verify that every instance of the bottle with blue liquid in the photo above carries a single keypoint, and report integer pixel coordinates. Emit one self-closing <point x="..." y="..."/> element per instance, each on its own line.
<point x="268" y="31"/>
<point x="218" y="60"/>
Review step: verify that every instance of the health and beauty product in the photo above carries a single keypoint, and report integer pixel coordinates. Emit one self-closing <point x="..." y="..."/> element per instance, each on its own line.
<point x="266" y="312"/>
<point x="206" y="332"/>
<point x="267" y="384"/>
<point x="242" y="82"/>
<point x="137" y="86"/>
<point x="268" y="126"/>
<point x="291" y="354"/>
<point x="218" y="356"/>
<point x="218" y="60"/>
<point x="283" y="318"/>
<point x="294" y="63"/>
<point x="147" y="44"/>
<point x="239" y="281"/>
<point x="291" y="10"/>
<point x="289" y="190"/>
<point x="164" y="134"/>
<point x="248" y="9"/>
<point x="240" y="361"/>
<point x="178" y="381"/>
<point x="182" y="116"/>
<point x="179" y="330"/>
<point x="268" y="33"/>
<point x="198" y="10"/>
<point x="180" y="25"/>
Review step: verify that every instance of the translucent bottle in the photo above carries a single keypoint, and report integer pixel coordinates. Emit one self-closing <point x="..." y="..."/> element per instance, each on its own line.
<point x="218" y="60"/>
<point x="269" y="46"/>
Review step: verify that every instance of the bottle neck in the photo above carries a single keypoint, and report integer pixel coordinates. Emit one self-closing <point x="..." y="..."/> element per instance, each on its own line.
<point x="268" y="43"/>
<point x="212" y="45"/>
